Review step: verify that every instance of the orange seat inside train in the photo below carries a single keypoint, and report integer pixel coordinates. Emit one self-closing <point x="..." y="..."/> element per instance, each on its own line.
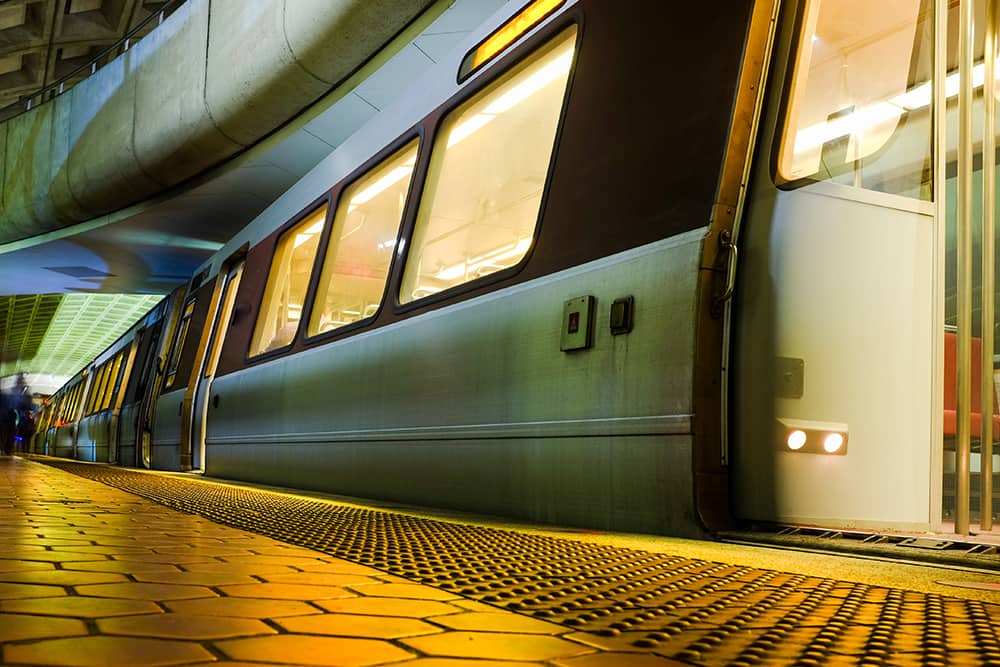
<point x="951" y="389"/>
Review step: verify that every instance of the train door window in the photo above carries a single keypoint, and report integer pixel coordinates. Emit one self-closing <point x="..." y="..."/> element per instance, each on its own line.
<point x="859" y="108"/>
<point x="74" y="401"/>
<point x="175" y="353"/>
<point x="362" y="242"/>
<point x="89" y="404"/>
<point x="101" y="387"/>
<point x="93" y="396"/>
<point x="284" y="296"/>
<point x="233" y="277"/>
<point x="488" y="169"/>
<point x="115" y="366"/>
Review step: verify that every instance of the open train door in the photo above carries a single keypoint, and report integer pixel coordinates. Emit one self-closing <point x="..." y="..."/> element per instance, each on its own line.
<point x="837" y="323"/>
<point x="196" y="398"/>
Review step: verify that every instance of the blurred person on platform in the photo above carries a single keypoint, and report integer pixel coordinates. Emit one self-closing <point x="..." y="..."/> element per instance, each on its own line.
<point x="24" y="412"/>
<point x="8" y="421"/>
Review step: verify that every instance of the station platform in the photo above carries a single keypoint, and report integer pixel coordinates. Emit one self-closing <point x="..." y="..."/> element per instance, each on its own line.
<point x="109" y="566"/>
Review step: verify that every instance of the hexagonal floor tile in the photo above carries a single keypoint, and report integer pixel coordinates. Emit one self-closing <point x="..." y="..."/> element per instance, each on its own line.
<point x="63" y="577"/>
<point x="498" y="621"/>
<point x="62" y="556"/>
<point x="619" y="660"/>
<point x="241" y="607"/>
<point x="499" y="645"/>
<point x="291" y="561"/>
<point x="80" y="607"/>
<point x="357" y="625"/>
<point x="318" y="579"/>
<point x="126" y="566"/>
<point x="307" y="650"/>
<point x="101" y="651"/>
<point x="407" y="590"/>
<point x="145" y="591"/>
<point x="184" y="626"/>
<point x="238" y="568"/>
<point x="15" y="627"/>
<point x="194" y="578"/>
<point x="10" y="565"/>
<point x="387" y="607"/>
<point x="286" y="591"/>
<point x="9" y="591"/>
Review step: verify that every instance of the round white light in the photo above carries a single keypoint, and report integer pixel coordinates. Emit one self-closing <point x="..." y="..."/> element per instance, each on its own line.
<point x="796" y="439"/>
<point x="833" y="442"/>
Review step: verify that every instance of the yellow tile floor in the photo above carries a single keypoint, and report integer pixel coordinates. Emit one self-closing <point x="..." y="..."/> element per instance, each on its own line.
<point x="90" y="575"/>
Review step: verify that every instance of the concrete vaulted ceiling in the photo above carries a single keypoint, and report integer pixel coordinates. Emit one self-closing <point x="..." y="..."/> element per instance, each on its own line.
<point x="125" y="183"/>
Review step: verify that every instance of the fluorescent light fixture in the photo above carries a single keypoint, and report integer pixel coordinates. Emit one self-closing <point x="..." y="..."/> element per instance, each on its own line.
<point x="917" y="97"/>
<point x="555" y="69"/>
<point x="467" y="128"/>
<point x="306" y="234"/>
<point x="543" y="77"/>
<point x="492" y="258"/>
<point x="380" y="186"/>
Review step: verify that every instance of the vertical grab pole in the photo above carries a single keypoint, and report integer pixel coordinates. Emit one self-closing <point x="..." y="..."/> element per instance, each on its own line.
<point x="966" y="34"/>
<point x="988" y="288"/>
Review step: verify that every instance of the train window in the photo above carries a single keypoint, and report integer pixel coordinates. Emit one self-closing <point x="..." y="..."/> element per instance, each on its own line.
<point x="488" y="168"/>
<point x="74" y="401"/>
<point x="115" y="366"/>
<point x="859" y="109"/>
<point x="362" y="242"/>
<point x="94" y="394"/>
<point x="284" y="296"/>
<point x="100" y="388"/>
<point x="175" y="353"/>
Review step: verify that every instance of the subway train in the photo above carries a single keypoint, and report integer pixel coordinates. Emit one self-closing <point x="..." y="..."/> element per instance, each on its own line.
<point x="638" y="266"/>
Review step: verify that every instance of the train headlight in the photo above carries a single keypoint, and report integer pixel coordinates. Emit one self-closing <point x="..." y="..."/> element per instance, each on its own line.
<point x="811" y="437"/>
<point x="796" y="439"/>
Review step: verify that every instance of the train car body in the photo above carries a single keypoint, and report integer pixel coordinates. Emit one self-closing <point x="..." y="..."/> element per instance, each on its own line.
<point x="540" y="365"/>
<point x="568" y="280"/>
<point x="101" y="413"/>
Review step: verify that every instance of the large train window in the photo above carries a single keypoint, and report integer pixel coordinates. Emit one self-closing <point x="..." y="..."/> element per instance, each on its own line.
<point x="488" y="169"/>
<point x="859" y="108"/>
<point x="284" y="296"/>
<point x="362" y="242"/>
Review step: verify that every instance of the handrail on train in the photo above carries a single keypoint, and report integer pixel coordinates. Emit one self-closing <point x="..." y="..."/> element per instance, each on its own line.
<point x="60" y="86"/>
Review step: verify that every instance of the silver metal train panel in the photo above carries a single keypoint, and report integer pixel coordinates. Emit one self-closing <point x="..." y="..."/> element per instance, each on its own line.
<point x="475" y="406"/>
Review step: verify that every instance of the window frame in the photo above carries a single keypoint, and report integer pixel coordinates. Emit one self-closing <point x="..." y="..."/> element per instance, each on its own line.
<point x="417" y="134"/>
<point x="482" y="78"/>
<point x="326" y="199"/>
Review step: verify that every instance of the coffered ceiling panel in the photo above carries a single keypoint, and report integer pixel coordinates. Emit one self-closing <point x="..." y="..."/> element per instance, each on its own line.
<point x="42" y="41"/>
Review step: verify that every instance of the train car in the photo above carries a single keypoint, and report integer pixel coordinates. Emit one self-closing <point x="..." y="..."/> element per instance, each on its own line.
<point x="56" y="432"/>
<point x="491" y="297"/>
<point x="104" y="410"/>
<point x="606" y="266"/>
<point x="150" y="341"/>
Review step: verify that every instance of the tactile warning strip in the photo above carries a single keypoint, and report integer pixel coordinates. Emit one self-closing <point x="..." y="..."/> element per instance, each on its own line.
<point x="692" y="610"/>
